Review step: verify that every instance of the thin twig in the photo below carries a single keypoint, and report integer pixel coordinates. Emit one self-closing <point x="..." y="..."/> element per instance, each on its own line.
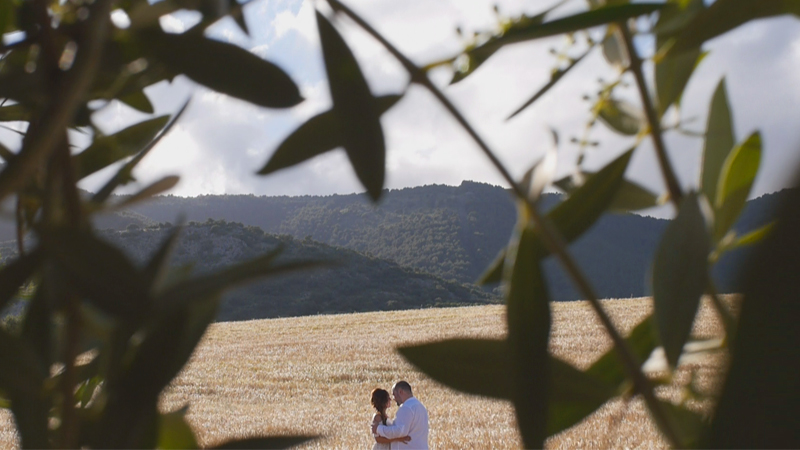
<point x="550" y="236"/>
<point x="671" y="180"/>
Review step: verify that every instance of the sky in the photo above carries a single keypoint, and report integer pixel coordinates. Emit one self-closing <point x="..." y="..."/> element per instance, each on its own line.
<point x="221" y="142"/>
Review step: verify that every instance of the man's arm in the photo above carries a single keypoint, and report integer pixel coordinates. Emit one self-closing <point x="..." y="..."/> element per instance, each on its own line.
<point x="401" y="425"/>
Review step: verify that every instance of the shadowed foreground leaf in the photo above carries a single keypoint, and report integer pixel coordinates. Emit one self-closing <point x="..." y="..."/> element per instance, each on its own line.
<point x="357" y="111"/>
<point x="124" y="174"/>
<point x="318" y="135"/>
<point x="106" y="150"/>
<point x="528" y="318"/>
<point x="622" y="117"/>
<point x="577" y="22"/>
<point x="554" y="79"/>
<point x="758" y="407"/>
<point x="174" y="432"/>
<point x="673" y="71"/>
<point x="735" y="181"/>
<point x="630" y="197"/>
<point x="725" y="15"/>
<point x="641" y="340"/>
<point x="680" y="276"/>
<point x="273" y="442"/>
<point x="719" y="141"/>
<point x="483" y="367"/>
<point x="225" y="68"/>
<point x="99" y="271"/>
<point x="579" y="211"/>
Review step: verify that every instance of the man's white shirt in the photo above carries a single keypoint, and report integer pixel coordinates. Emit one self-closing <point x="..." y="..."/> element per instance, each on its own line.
<point x="411" y="420"/>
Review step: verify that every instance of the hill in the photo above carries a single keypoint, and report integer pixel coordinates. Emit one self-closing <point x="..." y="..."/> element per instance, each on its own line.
<point x="456" y="231"/>
<point x="453" y="232"/>
<point x="354" y="282"/>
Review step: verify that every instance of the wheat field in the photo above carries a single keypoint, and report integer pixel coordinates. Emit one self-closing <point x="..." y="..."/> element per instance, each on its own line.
<point x="313" y="375"/>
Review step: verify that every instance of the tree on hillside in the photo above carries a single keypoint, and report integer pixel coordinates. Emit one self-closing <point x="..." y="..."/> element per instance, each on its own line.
<point x="66" y="60"/>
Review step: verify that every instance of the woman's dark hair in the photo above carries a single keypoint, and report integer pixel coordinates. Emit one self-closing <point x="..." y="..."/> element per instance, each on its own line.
<point x="380" y="397"/>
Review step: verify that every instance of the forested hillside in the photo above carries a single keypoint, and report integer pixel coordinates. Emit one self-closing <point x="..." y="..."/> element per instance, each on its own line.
<point x="453" y="232"/>
<point x="450" y="232"/>
<point x="353" y="282"/>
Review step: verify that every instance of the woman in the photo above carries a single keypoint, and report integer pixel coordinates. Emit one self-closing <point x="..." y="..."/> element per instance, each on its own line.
<point x="381" y="400"/>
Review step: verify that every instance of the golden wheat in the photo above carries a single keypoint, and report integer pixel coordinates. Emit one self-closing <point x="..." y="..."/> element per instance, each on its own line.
<point x="313" y="375"/>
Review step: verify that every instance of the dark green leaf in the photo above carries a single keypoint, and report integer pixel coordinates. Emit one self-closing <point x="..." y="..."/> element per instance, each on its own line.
<point x="318" y="135"/>
<point x="554" y="78"/>
<point x="621" y="116"/>
<point x="673" y="71"/>
<point x="131" y="416"/>
<point x="758" y="407"/>
<point x="224" y="68"/>
<point x="20" y="373"/>
<point x="577" y="22"/>
<point x="753" y="237"/>
<point x="139" y="101"/>
<point x="475" y="366"/>
<point x="468" y="63"/>
<point x="99" y="271"/>
<point x="14" y="113"/>
<point x="174" y="432"/>
<point x="237" y="13"/>
<point x="106" y="150"/>
<point x="37" y="327"/>
<point x="123" y="175"/>
<point x="155" y="272"/>
<point x="273" y="442"/>
<point x="736" y="180"/>
<point x="15" y="273"/>
<point x="582" y="208"/>
<point x="725" y="15"/>
<point x="31" y="417"/>
<point x="719" y="141"/>
<point x="630" y="197"/>
<point x="85" y="391"/>
<point x="614" y="48"/>
<point x="672" y="76"/>
<point x="483" y="367"/>
<point x="7" y="16"/>
<point x="642" y="341"/>
<point x="22" y="376"/>
<point x="528" y="318"/>
<point x="356" y="110"/>
<point x="578" y="213"/>
<point x="6" y="154"/>
<point x="494" y="274"/>
<point x="689" y="425"/>
<point x="575" y="395"/>
<point x="680" y="276"/>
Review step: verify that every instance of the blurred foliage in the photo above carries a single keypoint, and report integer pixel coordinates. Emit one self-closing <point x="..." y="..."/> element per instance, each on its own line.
<point x="102" y="336"/>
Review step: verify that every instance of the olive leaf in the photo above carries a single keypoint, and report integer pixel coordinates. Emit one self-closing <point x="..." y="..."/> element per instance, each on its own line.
<point x="357" y="111"/>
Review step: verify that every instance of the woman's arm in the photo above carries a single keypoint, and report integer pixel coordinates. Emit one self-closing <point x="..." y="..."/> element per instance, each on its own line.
<point x="383" y="440"/>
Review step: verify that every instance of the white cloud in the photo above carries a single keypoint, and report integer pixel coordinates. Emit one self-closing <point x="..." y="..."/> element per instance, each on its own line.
<point x="223" y="141"/>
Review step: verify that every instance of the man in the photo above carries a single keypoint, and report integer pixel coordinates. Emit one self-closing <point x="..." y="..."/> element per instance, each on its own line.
<point x="411" y="420"/>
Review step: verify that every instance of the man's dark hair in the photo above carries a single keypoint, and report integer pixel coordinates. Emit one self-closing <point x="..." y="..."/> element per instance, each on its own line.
<point x="404" y="386"/>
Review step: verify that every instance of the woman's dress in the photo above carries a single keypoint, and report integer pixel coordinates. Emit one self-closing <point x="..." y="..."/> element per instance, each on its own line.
<point x="378" y="445"/>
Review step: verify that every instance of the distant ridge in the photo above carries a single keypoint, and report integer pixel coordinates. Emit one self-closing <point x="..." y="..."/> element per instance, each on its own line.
<point x="452" y="232"/>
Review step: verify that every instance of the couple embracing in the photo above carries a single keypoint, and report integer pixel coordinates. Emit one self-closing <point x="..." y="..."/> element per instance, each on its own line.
<point x="409" y="429"/>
